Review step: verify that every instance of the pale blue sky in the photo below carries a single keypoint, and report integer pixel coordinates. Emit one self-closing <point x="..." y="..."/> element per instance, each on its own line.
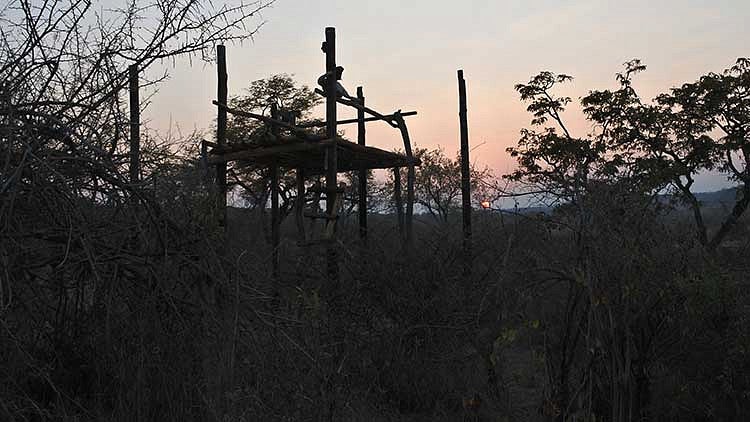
<point x="406" y="54"/>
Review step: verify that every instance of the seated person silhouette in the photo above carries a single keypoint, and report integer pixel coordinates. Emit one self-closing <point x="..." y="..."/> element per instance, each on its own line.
<point x="340" y="90"/>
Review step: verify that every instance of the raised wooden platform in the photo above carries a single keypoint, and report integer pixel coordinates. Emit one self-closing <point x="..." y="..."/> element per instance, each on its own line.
<point x="309" y="155"/>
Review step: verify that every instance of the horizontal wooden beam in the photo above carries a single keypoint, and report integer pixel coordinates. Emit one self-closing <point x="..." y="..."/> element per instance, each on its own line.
<point x="349" y="121"/>
<point x="270" y="121"/>
<point x="358" y="106"/>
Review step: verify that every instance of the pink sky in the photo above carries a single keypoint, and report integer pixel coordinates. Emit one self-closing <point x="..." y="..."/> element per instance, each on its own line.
<point x="406" y="54"/>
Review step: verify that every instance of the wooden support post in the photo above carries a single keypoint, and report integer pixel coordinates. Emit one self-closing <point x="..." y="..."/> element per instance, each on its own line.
<point x="397" y="198"/>
<point x="410" y="178"/>
<point x="332" y="289"/>
<point x="221" y="133"/>
<point x="362" y="192"/>
<point x="331" y="159"/>
<point x="135" y="125"/>
<point x="275" y="217"/>
<point x="465" y="173"/>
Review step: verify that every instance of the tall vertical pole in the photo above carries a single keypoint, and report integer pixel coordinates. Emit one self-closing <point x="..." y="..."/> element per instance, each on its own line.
<point x="333" y="290"/>
<point x="218" y="370"/>
<point x="362" y="172"/>
<point x="221" y="133"/>
<point x="275" y="217"/>
<point x="331" y="159"/>
<point x="465" y="172"/>
<point x="135" y="125"/>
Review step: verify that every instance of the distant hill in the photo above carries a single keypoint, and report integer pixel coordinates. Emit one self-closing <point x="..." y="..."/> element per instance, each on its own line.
<point x="724" y="196"/>
<point x="715" y="199"/>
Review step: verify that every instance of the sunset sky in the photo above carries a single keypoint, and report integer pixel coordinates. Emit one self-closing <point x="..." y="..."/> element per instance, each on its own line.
<point x="406" y="53"/>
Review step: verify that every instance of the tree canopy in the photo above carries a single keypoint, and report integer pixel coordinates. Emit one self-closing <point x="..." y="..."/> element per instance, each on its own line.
<point x="283" y="92"/>
<point x="646" y="147"/>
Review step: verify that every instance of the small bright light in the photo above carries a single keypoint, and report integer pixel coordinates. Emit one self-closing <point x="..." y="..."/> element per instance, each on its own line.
<point x="486" y="205"/>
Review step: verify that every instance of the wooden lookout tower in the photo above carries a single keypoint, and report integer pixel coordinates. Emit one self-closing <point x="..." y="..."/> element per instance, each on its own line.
<point x="289" y="146"/>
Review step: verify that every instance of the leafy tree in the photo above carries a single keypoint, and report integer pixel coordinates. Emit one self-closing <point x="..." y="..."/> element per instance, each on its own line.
<point x="280" y="90"/>
<point x="283" y="92"/>
<point x="551" y="161"/>
<point x="437" y="186"/>
<point x="647" y="147"/>
<point x="716" y="102"/>
<point x="654" y="149"/>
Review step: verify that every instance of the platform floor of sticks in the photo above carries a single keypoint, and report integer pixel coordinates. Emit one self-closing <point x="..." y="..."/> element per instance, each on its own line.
<point x="309" y="155"/>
